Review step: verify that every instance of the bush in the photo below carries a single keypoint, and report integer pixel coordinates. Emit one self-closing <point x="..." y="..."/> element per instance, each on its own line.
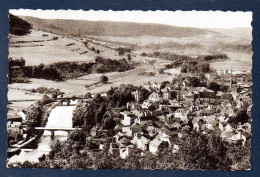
<point x="143" y="54"/>
<point x="103" y="79"/>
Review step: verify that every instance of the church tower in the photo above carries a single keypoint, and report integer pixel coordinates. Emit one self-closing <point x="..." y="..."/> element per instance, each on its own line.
<point x="231" y="79"/>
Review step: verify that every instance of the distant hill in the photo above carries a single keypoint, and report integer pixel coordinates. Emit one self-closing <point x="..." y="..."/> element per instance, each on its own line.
<point x="241" y="33"/>
<point x="109" y="28"/>
<point x="18" y="26"/>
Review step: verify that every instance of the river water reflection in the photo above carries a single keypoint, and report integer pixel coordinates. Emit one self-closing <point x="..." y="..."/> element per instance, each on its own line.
<point x="60" y="117"/>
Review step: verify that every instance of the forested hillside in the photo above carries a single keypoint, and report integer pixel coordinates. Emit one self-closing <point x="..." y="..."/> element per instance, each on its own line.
<point x="18" y="26"/>
<point x="109" y="28"/>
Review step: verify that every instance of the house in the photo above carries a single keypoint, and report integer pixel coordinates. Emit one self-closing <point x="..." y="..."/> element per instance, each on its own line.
<point x="167" y="94"/>
<point x="164" y="137"/>
<point x="23" y="115"/>
<point x="219" y="94"/>
<point x="156" y="86"/>
<point x="127" y="131"/>
<point x="179" y="112"/>
<point x="138" y="95"/>
<point x="204" y="100"/>
<point x="145" y="119"/>
<point x="14" y="124"/>
<point x="113" y="148"/>
<point x="133" y="106"/>
<point x="189" y="97"/>
<point x="175" y="148"/>
<point x="154" y="144"/>
<point x="93" y="132"/>
<point x="206" y="112"/>
<point x="154" y="97"/>
<point x="147" y="104"/>
<point x="128" y="118"/>
<point x="233" y="137"/>
<point x="124" y="151"/>
<point x="205" y="93"/>
<point x="141" y="141"/>
<point x="228" y="128"/>
<point x="228" y="110"/>
<point x="118" y="136"/>
<point x="173" y="107"/>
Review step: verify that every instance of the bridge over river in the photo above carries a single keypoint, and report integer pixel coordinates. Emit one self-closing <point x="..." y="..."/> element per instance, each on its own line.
<point x="60" y="122"/>
<point x="53" y="129"/>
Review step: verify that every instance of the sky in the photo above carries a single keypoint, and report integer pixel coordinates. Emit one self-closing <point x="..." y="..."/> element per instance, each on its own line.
<point x="199" y="19"/>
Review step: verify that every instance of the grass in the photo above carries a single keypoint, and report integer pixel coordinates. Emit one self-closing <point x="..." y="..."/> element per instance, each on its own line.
<point x="237" y="61"/>
<point x="50" y="52"/>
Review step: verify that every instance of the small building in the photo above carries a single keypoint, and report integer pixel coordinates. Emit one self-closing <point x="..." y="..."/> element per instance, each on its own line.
<point x="128" y="118"/>
<point x="138" y="95"/>
<point x="206" y="112"/>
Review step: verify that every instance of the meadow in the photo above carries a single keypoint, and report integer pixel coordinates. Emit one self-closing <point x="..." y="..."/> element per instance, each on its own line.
<point x="51" y="51"/>
<point x="73" y="49"/>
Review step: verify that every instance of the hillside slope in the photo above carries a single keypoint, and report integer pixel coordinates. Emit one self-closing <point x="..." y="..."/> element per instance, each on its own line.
<point x="241" y="33"/>
<point x="18" y="26"/>
<point x="109" y="28"/>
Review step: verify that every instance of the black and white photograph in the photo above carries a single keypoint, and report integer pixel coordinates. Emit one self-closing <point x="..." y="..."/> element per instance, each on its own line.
<point x="129" y="89"/>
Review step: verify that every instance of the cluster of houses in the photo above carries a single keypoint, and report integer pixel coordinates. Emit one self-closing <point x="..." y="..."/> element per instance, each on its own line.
<point x="171" y="113"/>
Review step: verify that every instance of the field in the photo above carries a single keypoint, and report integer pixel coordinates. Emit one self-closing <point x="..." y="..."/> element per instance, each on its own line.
<point x="77" y="86"/>
<point x="39" y="47"/>
<point x="50" y="52"/>
<point x="237" y="62"/>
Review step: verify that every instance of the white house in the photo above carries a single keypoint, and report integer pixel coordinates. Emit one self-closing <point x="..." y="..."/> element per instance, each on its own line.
<point x="125" y="151"/>
<point x="128" y="118"/>
<point x="23" y="115"/>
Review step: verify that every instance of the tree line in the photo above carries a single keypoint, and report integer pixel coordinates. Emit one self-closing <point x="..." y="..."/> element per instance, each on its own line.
<point x="18" y="72"/>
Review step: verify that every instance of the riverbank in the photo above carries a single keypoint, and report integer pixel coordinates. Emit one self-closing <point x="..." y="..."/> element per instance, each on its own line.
<point x="57" y="116"/>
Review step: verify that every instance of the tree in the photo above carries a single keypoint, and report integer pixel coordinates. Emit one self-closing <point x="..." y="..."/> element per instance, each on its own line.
<point x="99" y="113"/>
<point x="83" y="115"/>
<point x="88" y="95"/>
<point x="103" y="78"/>
<point x="245" y="105"/>
<point x="214" y="86"/>
<point x="78" y="136"/>
<point x="242" y="117"/>
<point x="205" y="67"/>
<point x="164" y="83"/>
<point x="46" y="99"/>
<point x="156" y="54"/>
<point x="143" y="54"/>
<point x="129" y="56"/>
<point x="163" y="146"/>
<point x="194" y="81"/>
<point x="50" y="73"/>
<point x="109" y="123"/>
<point x="22" y="61"/>
<point x="184" y="68"/>
<point x="34" y="114"/>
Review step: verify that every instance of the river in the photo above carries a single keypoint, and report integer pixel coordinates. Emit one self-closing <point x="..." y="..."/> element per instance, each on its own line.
<point x="60" y="117"/>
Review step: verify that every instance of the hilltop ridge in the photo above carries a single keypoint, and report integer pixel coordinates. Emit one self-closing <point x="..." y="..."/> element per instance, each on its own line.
<point x="110" y="28"/>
